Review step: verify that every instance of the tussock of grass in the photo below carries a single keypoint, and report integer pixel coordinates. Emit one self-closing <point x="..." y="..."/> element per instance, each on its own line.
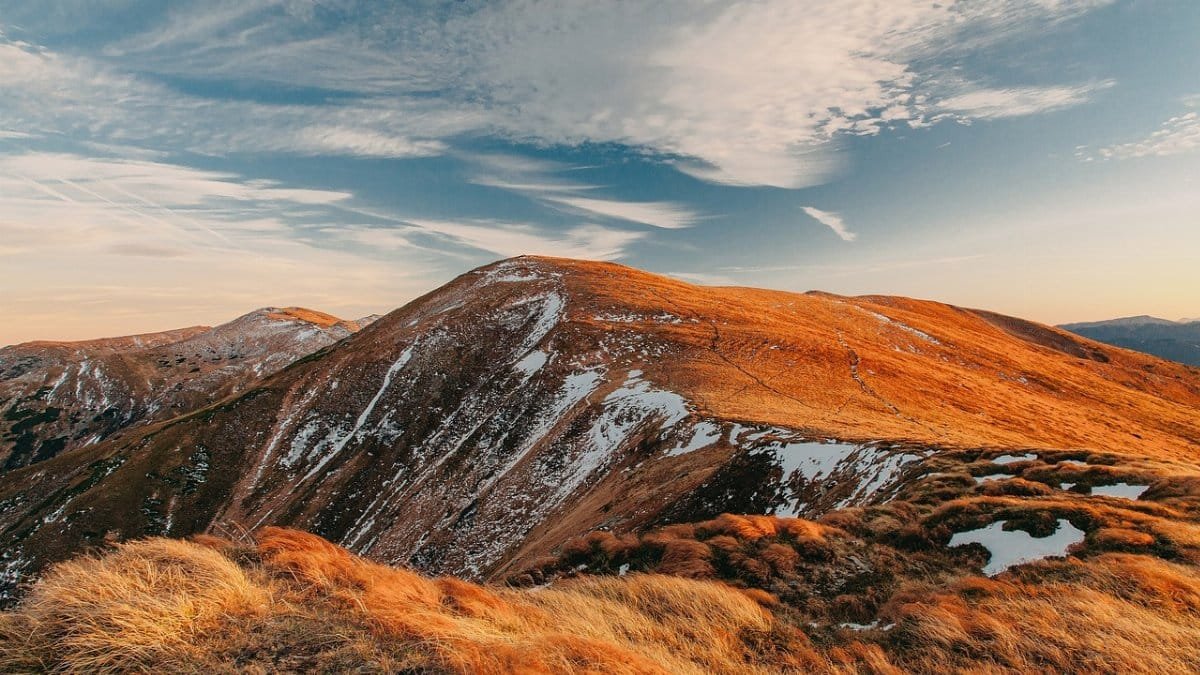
<point x="145" y="603"/>
<point x="769" y="595"/>
<point x="1116" y="613"/>
<point x="297" y="602"/>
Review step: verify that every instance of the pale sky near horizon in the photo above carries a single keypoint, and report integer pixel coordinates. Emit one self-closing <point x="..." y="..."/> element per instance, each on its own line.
<point x="165" y="164"/>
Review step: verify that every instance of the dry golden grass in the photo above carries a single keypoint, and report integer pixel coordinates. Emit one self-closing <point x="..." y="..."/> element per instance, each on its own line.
<point x="146" y="603"/>
<point x="296" y="603"/>
<point x="981" y="380"/>
<point x="1114" y="614"/>
<point x="168" y="606"/>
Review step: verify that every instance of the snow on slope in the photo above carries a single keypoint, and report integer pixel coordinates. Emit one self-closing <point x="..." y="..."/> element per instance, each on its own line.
<point x="481" y="426"/>
<point x="503" y="451"/>
<point x="74" y="394"/>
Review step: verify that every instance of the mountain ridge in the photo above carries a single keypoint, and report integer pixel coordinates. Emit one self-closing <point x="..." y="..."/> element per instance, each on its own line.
<point x="1173" y="340"/>
<point x="475" y="429"/>
<point x="61" y="395"/>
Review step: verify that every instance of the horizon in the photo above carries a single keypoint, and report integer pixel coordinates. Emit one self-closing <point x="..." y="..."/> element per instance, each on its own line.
<point x="174" y="165"/>
<point x="385" y="312"/>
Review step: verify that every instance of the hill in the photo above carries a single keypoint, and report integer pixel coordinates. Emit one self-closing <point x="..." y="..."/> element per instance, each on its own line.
<point x="1175" y="341"/>
<point x="479" y="428"/>
<point x="59" y="396"/>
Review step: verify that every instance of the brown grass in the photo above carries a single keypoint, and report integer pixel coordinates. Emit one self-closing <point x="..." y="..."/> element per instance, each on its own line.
<point x="1116" y="614"/>
<point x="160" y="605"/>
<point x="145" y="603"/>
<point x="988" y="381"/>
<point x="296" y="603"/>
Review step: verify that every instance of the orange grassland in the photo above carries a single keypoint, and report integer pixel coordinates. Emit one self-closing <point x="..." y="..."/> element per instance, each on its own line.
<point x="871" y="367"/>
<point x="295" y="603"/>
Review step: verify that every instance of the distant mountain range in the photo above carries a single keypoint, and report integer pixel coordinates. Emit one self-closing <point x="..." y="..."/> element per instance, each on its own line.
<point x="1173" y="340"/>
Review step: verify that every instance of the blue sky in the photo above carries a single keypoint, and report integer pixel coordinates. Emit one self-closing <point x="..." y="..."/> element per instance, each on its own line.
<point x="169" y="163"/>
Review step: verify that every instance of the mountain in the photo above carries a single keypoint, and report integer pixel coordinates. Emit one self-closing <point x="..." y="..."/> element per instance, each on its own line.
<point x="1176" y="341"/>
<point x="59" y="396"/>
<point x="476" y="429"/>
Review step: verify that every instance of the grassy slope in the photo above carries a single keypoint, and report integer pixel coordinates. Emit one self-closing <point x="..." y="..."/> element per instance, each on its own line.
<point x="866" y="590"/>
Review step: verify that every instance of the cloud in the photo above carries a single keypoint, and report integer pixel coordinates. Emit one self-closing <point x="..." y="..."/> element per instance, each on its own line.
<point x="657" y="214"/>
<point x="985" y="103"/>
<point x="83" y="98"/>
<point x="512" y="239"/>
<point x="741" y="93"/>
<point x="144" y="244"/>
<point x="1176" y="136"/>
<point x="703" y="278"/>
<point x="129" y="205"/>
<point x="831" y="220"/>
<point x="541" y="181"/>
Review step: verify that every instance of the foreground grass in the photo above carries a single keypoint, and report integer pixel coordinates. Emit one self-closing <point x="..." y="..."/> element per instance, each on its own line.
<point x="297" y="603"/>
<point x="292" y="602"/>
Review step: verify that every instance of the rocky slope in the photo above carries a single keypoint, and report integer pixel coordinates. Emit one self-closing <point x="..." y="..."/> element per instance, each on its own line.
<point x="476" y="429"/>
<point x="58" y="396"/>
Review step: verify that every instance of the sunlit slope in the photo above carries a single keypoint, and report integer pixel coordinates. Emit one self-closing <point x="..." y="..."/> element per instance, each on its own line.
<point x="884" y="367"/>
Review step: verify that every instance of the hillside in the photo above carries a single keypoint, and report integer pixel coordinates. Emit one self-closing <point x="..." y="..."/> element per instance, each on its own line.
<point x="479" y="428"/>
<point x="59" y="396"/>
<point x="1176" y="341"/>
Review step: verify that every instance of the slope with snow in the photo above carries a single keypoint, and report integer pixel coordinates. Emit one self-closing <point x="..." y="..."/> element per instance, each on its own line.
<point x="58" y="396"/>
<point x="479" y="427"/>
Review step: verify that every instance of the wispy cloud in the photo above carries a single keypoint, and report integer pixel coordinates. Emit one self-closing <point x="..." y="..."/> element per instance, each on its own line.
<point x="831" y="220"/>
<point x="735" y="93"/>
<point x="511" y="239"/>
<point x="542" y="181"/>
<point x="176" y="243"/>
<point x="48" y="92"/>
<point x="985" y="103"/>
<point x="657" y="214"/>
<point x="843" y="270"/>
<point x="1176" y="136"/>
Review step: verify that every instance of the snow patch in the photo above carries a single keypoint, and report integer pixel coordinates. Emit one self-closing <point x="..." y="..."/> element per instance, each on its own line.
<point x="362" y="418"/>
<point x="704" y="434"/>
<point x="1011" y="459"/>
<point x="1121" y="490"/>
<point x="805" y="462"/>
<point x="1015" y="547"/>
<point x="531" y="363"/>
<point x="902" y="326"/>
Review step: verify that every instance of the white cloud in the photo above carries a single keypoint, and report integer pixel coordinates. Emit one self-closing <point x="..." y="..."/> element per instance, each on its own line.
<point x="983" y="103"/>
<point x="657" y="214"/>
<point x="512" y="239"/>
<point x="1176" y="136"/>
<point x="744" y="93"/>
<point x="831" y="220"/>
<point x="47" y="92"/>
<point x="703" y="278"/>
<point x="91" y="246"/>
<point x="540" y="180"/>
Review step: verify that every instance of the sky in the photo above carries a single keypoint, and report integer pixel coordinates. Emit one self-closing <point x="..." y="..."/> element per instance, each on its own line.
<point x="168" y="163"/>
